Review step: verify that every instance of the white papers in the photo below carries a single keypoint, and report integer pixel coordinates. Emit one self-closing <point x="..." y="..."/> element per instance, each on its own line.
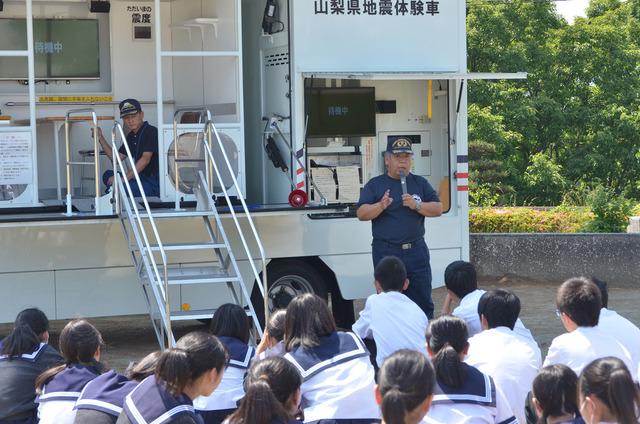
<point x="16" y="165"/>
<point x="348" y="183"/>
<point x="323" y="179"/>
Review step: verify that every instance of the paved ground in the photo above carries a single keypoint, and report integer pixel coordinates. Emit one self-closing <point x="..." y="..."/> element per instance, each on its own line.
<point x="130" y="338"/>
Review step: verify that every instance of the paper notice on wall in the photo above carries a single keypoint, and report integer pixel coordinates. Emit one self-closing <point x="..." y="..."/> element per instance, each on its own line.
<point x="323" y="179"/>
<point x="348" y="184"/>
<point x="16" y="166"/>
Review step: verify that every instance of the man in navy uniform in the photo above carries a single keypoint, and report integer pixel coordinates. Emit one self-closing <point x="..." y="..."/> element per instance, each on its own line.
<point x="142" y="140"/>
<point x="398" y="219"/>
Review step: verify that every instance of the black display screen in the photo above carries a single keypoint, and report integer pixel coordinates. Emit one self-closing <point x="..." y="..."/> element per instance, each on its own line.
<point x="341" y="112"/>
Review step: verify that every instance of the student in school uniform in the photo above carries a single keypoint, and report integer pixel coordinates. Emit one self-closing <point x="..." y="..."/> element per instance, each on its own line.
<point x="24" y="354"/>
<point x="555" y="396"/>
<point x="231" y="325"/>
<point x="392" y="319"/>
<point x="193" y="368"/>
<point x="272" y="394"/>
<point x="462" y="288"/>
<point x="579" y="303"/>
<point x="338" y="377"/>
<point x="405" y="388"/>
<point x="498" y="352"/>
<point x="463" y="393"/>
<point x="608" y="393"/>
<point x="60" y="387"/>
<point x="613" y="324"/>
<point x="272" y="343"/>
<point x="102" y="398"/>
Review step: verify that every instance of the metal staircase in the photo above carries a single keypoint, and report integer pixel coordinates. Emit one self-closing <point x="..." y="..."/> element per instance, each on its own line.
<point x="155" y="262"/>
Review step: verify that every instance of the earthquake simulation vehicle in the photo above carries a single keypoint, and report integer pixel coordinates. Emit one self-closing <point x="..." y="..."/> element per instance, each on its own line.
<point x="272" y="114"/>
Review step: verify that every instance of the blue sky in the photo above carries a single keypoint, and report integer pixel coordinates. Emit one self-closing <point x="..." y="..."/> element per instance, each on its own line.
<point x="571" y="8"/>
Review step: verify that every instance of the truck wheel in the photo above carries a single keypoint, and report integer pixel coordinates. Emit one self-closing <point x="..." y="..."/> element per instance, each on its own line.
<point x="287" y="280"/>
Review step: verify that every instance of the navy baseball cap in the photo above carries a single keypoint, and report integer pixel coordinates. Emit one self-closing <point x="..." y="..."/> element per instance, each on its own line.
<point x="129" y="107"/>
<point x="399" y="145"/>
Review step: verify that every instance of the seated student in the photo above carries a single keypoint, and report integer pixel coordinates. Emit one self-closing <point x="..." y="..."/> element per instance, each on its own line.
<point x="463" y="393"/>
<point x="231" y="325"/>
<point x="272" y="388"/>
<point x="24" y="355"/>
<point x="623" y="330"/>
<point x="272" y="343"/>
<point x="555" y="396"/>
<point x="60" y="387"/>
<point x="578" y="302"/>
<point x="193" y="368"/>
<point x="102" y="398"/>
<point x="462" y="286"/>
<point x="500" y="353"/>
<point x="338" y="378"/>
<point x="393" y="320"/>
<point x="405" y="388"/>
<point x="608" y="393"/>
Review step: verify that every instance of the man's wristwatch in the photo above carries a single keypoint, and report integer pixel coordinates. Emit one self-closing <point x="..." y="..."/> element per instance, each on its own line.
<point x="418" y="205"/>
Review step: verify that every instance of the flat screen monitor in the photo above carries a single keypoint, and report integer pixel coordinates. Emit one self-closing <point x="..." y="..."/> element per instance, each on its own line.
<point x="63" y="49"/>
<point x="341" y="112"/>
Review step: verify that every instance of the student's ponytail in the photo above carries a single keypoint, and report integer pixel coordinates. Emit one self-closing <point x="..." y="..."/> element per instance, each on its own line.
<point x="447" y="338"/>
<point x="262" y="407"/>
<point x="555" y="389"/>
<point x="393" y="407"/>
<point x="29" y="325"/>
<point x="174" y="369"/>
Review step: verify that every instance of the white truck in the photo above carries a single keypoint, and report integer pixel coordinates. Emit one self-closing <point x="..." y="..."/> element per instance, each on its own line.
<point x="303" y="95"/>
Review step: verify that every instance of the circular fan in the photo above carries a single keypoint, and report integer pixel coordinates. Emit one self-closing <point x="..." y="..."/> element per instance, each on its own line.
<point x="191" y="161"/>
<point x="11" y="191"/>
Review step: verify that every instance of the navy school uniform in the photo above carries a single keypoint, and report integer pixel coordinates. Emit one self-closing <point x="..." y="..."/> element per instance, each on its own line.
<point x="224" y="400"/>
<point x="338" y="380"/>
<point x="60" y="394"/>
<point x="151" y="402"/>
<point x="18" y="376"/>
<point x="102" y="398"/>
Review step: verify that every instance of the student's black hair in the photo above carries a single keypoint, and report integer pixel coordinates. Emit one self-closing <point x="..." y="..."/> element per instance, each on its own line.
<point x="500" y="308"/>
<point x="194" y="354"/>
<point x="610" y="381"/>
<point x="29" y="325"/>
<point x="405" y="379"/>
<point x="447" y="338"/>
<point x="231" y="320"/>
<point x="460" y="277"/>
<point x="268" y="385"/>
<point x="604" y="290"/>
<point x="146" y="367"/>
<point x="79" y="341"/>
<point x="308" y="319"/>
<point x="390" y="273"/>
<point x="556" y="389"/>
<point x="580" y="299"/>
<point x="276" y="323"/>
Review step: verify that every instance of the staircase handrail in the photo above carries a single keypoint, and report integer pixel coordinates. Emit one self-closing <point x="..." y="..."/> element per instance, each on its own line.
<point x="96" y="159"/>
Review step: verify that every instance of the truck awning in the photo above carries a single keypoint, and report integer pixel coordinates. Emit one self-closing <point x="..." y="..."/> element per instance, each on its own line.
<point x="418" y="76"/>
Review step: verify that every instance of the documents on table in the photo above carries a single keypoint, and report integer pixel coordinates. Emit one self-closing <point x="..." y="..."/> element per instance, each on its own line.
<point x="348" y="183"/>
<point x="323" y="179"/>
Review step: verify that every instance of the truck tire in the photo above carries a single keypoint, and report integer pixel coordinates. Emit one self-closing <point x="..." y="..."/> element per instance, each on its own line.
<point x="288" y="279"/>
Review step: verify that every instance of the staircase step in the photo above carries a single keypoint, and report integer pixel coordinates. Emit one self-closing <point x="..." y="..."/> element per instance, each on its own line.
<point x="188" y="246"/>
<point x="172" y="213"/>
<point x="197" y="314"/>
<point x="200" y="275"/>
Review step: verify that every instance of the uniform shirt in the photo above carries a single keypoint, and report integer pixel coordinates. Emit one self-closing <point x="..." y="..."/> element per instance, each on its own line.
<point x="478" y="401"/>
<point x="104" y="395"/>
<point x="394" y="321"/>
<point x="337" y="379"/>
<point x="468" y="311"/>
<point x="18" y="376"/>
<point x="583" y="345"/>
<point x="511" y="362"/>
<point x="624" y="331"/>
<point x="397" y="224"/>
<point x="145" y="140"/>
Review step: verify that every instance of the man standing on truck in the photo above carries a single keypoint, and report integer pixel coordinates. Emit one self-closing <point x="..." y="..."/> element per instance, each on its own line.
<point x="142" y="140"/>
<point x="397" y="203"/>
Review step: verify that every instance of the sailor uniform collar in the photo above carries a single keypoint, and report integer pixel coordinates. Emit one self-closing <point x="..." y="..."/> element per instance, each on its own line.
<point x="333" y="350"/>
<point x="68" y="384"/>
<point x="240" y="353"/>
<point x="30" y="357"/>
<point x="106" y="393"/>
<point x="478" y="388"/>
<point x="152" y="403"/>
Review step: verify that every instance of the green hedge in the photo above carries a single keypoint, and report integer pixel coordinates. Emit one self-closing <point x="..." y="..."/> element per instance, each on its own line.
<point x="527" y="220"/>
